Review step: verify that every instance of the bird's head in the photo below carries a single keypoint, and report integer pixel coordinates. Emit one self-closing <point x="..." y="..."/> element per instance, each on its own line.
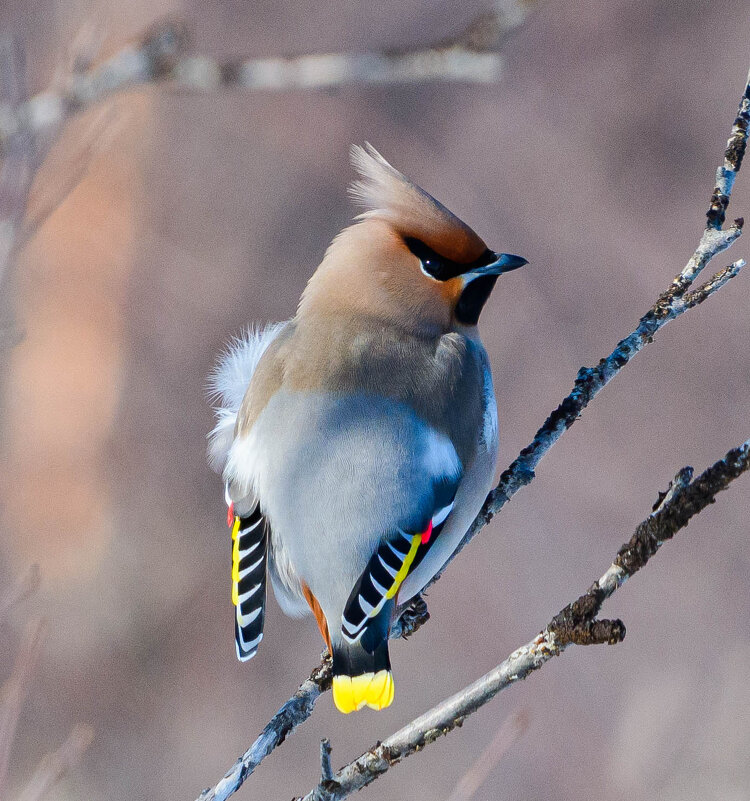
<point x="407" y="259"/>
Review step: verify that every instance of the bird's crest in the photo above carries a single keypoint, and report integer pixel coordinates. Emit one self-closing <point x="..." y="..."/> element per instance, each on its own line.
<point x="389" y="195"/>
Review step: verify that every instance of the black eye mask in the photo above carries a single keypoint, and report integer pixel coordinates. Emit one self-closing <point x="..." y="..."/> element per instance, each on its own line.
<point x="481" y="275"/>
<point x="441" y="268"/>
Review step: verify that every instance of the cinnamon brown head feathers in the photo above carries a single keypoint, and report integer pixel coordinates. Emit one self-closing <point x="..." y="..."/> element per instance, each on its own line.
<point x="388" y="195"/>
<point x="407" y="259"/>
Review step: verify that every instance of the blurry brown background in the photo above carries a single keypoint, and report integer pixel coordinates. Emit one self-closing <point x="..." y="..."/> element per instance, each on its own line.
<point x="594" y="158"/>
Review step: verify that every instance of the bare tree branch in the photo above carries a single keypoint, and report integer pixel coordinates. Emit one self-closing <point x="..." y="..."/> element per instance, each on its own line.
<point x="162" y="56"/>
<point x="673" y="302"/>
<point x="576" y="624"/>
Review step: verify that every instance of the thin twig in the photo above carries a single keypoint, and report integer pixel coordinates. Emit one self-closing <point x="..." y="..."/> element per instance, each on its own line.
<point x="716" y="282"/>
<point x="15" y="691"/>
<point x="326" y="771"/>
<point x="572" y="625"/>
<point x="733" y="155"/>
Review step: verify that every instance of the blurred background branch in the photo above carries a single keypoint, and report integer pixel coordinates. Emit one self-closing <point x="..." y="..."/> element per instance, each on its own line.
<point x="18" y="152"/>
<point x="15" y="691"/>
<point x="163" y="55"/>
<point x="509" y="732"/>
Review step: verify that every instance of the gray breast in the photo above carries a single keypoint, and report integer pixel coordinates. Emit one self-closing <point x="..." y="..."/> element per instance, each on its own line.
<point x="336" y="472"/>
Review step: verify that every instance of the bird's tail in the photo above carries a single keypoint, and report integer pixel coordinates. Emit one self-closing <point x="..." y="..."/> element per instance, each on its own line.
<point x="362" y="670"/>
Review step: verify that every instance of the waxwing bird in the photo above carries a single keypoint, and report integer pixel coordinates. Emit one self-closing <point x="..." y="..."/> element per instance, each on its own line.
<point x="358" y="440"/>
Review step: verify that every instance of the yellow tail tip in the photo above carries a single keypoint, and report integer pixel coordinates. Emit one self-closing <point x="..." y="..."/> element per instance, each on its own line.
<point x="375" y="690"/>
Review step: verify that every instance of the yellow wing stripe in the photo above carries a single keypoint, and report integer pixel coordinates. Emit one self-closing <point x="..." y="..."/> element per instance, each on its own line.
<point x="403" y="571"/>
<point x="235" y="561"/>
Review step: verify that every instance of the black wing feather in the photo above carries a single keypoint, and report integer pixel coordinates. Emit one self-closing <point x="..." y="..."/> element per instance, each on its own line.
<point x="382" y="577"/>
<point x="249" y="562"/>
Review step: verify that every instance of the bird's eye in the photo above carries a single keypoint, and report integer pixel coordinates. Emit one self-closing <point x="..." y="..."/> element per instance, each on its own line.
<point x="432" y="265"/>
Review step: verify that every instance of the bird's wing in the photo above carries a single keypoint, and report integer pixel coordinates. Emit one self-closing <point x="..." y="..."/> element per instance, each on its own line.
<point x="395" y="557"/>
<point x="250" y="537"/>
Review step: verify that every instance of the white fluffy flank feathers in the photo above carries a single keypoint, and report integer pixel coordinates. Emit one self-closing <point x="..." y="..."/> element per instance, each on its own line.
<point x="228" y="383"/>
